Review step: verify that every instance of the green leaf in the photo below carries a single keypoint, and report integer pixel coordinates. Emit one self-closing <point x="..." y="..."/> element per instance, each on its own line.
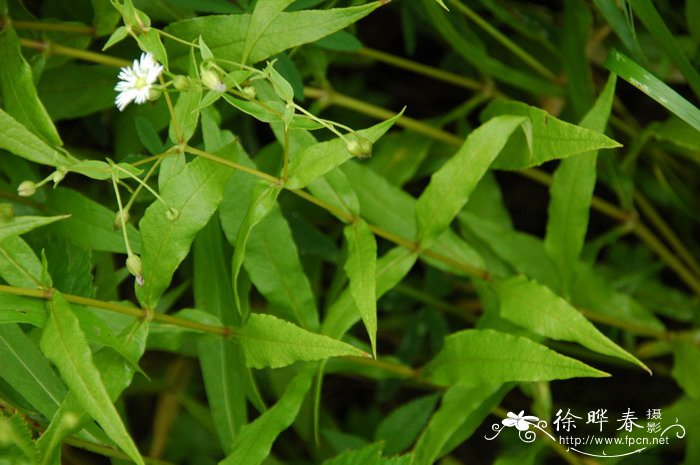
<point x="335" y="189"/>
<point x="460" y="407"/>
<point x="116" y="373"/>
<point x="479" y="58"/>
<point x="74" y="90"/>
<point x="20" y="141"/>
<point x="451" y="185"/>
<point x="571" y="192"/>
<point x="90" y="225"/>
<point x="19" y="94"/>
<point x="95" y="169"/>
<point x="269" y="342"/>
<point x="341" y="41"/>
<point x="65" y="345"/>
<point x="19" y="309"/>
<point x="151" y="42"/>
<point x="106" y="17"/>
<point x="686" y="363"/>
<point x="653" y="87"/>
<point x="392" y="267"/>
<point x="316" y="160"/>
<point x="401" y="427"/>
<point x="28" y="372"/>
<point x="535" y="307"/>
<point x="262" y="201"/>
<point x="226" y="35"/>
<point x="15" y="432"/>
<point x="361" y="268"/>
<point x="187" y="108"/>
<point x="273" y="264"/>
<point x="545" y="138"/>
<point x="623" y="28"/>
<point x="223" y="368"/>
<point x="195" y="192"/>
<point x="19" y="225"/>
<point x="476" y="357"/>
<point x="19" y="265"/>
<point x="576" y="33"/>
<point x="252" y="446"/>
<point x="370" y="455"/>
<point x="263" y="15"/>
<point x="646" y="12"/>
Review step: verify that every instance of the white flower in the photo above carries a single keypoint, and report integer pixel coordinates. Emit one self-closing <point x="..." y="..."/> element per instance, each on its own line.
<point x="136" y="82"/>
<point x="522" y="423"/>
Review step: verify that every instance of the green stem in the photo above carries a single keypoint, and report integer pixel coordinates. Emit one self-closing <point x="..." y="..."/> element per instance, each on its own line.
<point x="119" y="308"/>
<point x="666" y="231"/>
<point x="505" y="41"/>
<point x="334" y="98"/>
<point x="419" y="68"/>
<point x="60" y="27"/>
<point x="50" y="48"/>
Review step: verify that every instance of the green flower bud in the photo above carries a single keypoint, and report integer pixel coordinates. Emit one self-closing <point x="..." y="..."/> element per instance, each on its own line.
<point x="366" y="145"/>
<point x="172" y="214"/>
<point x="249" y="92"/>
<point x="133" y="264"/>
<point x="26" y="189"/>
<point x="121" y="219"/>
<point x="154" y="94"/>
<point x="58" y="175"/>
<point x="211" y="79"/>
<point x="181" y="82"/>
<point x="7" y="211"/>
<point x="360" y="147"/>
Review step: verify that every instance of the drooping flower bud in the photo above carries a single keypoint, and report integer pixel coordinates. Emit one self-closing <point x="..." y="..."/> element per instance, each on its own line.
<point x="133" y="264"/>
<point x="121" y="219"/>
<point x="360" y="147"/>
<point x="26" y="189"/>
<point x="211" y="79"/>
<point x="58" y="175"/>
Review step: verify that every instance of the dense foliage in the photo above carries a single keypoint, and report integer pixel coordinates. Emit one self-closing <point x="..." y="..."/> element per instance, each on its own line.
<point x="318" y="232"/>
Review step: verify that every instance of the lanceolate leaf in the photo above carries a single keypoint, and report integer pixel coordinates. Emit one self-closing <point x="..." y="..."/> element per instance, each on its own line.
<point x="255" y="440"/>
<point x="22" y="142"/>
<point x="388" y="207"/>
<point x="318" y="159"/>
<point x="223" y="369"/>
<point x="65" y="345"/>
<point x="450" y="186"/>
<point x="195" y="193"/>
<point x="571" y="192"/>
<point x="90" y="224"/>
<point x="460" y="405"/>
<point x="270" y="342"/>
<point x="476" y="357"/>
<point x="28" y="372"/>
<point x="262" y="201"/>
<point x="392" y="267"/>
<point x="116" y="373"/>
<point x="22" y="224"/>
<point x="538" y="309"/>
<point x="545" y="138"/>
<point x="273" y="264"/>
<point x="226" y="35"/>
<point x="263" y="14"/>
<point x="18" y="91"/>
<point x="361" y="268"/>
